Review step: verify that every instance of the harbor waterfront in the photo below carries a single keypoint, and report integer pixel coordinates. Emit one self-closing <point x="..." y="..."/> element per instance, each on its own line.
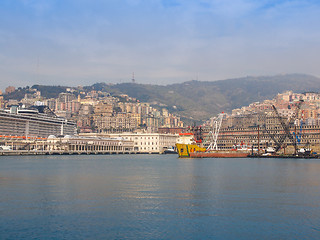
<point x="158" y="197"/>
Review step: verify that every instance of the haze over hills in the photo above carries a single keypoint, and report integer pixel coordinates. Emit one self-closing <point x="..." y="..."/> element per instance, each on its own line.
<point x="200" y="100"/>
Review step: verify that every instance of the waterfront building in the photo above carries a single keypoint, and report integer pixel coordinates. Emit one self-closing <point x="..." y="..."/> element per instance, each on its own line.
<point x="80" y="144"/>
<point x="251" y="136"/>
<point x="260" y="130"/>
<point x="66" y="145"/>
<point x="149" y="142"/>
<point x="144" y="142"/>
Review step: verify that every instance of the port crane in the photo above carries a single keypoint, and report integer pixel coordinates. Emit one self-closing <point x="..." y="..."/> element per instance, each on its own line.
<point x="298" y="136"/>
<point x="212" y="137"/>
<point x="286" y="128"/>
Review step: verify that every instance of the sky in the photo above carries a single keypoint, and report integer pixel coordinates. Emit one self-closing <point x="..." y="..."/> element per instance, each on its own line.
<point x="82" y="42"/>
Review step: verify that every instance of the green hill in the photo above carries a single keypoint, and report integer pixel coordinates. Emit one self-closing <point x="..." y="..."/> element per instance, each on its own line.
<point x="201" y="100"/>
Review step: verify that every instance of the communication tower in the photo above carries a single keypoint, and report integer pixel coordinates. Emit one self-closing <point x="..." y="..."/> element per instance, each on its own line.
<point x="133" y="80"/>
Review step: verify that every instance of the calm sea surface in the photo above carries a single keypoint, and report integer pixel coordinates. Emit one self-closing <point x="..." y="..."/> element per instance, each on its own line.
<point x="158" y="197"/>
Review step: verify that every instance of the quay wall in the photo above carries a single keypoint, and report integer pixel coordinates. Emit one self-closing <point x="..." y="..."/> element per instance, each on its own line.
<point x="60" y="152"/>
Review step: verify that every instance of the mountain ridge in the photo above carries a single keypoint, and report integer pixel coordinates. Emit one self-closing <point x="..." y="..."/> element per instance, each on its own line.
<point x="199" y="100"/>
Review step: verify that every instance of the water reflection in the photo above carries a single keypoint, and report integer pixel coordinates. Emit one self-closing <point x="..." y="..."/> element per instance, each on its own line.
<point x="158" y="197"/>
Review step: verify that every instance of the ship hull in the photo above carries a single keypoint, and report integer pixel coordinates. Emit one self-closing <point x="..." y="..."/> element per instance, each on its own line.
<point x="194" y="151"/>
<point x="219" y="154"/>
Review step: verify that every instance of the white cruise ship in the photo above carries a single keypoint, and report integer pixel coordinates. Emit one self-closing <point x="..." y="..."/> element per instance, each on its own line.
<point x="36" y="121"/>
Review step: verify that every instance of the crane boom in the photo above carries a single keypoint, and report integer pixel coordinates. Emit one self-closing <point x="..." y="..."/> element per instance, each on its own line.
<point x="286" y="126"/>
<point x="214" y="133"/>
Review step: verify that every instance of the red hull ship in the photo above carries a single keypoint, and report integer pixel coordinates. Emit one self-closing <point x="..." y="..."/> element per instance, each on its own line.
<point x="219" y="154"/>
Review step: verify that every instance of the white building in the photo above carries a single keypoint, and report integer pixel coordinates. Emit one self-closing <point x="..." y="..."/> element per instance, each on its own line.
<point x="90" y="144"/>
<point x="145" y="142"/>
<point x="149" y="142"/>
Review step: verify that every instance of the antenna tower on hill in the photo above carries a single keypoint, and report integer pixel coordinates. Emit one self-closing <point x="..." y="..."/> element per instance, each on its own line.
<point x="133" y="80"/>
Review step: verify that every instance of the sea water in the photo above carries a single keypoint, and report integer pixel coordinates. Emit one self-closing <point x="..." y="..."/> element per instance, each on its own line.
<point x="158" y="197"/>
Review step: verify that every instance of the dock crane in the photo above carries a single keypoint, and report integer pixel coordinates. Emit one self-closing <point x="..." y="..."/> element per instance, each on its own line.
<point x="298" y="136"/>
<point x="212" y="137"/>
<point x="286" y="127"/>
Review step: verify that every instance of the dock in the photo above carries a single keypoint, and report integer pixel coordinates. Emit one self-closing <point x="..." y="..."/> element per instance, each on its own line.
<point x="63" y="152"/>
<point x="312" y="156"/>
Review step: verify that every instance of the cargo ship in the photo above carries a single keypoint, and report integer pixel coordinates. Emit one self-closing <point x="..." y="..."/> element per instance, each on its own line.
<point x="188" y="146"/>
<point x="220" y="154"/>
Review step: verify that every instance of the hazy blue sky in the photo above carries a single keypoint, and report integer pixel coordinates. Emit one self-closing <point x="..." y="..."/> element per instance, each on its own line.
<point x="81" y="42"/>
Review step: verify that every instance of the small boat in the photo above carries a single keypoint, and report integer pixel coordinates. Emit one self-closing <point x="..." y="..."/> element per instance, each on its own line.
<point x="5" y="148"/>
<point x="170" y="151"/>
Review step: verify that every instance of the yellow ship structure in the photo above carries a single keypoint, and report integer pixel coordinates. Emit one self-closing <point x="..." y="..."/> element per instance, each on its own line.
<point x="186" y="144"/>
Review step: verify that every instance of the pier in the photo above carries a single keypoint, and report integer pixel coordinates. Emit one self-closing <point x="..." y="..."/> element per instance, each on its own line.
<point x="62" y="152"/>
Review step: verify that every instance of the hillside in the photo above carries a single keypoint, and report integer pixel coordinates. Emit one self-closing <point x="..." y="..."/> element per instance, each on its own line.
<point x="200" y="100"/>
<point x="46" y="91"/>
